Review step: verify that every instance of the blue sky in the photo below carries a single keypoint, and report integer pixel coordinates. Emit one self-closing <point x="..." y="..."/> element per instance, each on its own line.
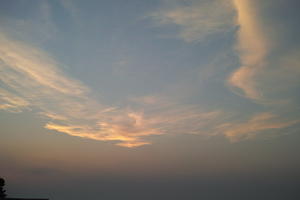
<point x="136" y="76"/>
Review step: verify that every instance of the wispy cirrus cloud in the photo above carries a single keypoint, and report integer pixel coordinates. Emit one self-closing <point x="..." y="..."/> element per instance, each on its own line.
<point x="31" y="79"/>
<point x="258" y="70"/>
<point x="11" y="102"/>
<point x="197" y="20"/>
<point x="239" y="130"/>
<point x="255" y="44"/>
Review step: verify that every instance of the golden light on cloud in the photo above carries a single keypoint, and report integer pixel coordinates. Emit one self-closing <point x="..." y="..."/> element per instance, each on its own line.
<point x="33" y="80"/>
<point x="260" y="67"/>
<point x="252" y="46"/>
<point x="163" y="99"/>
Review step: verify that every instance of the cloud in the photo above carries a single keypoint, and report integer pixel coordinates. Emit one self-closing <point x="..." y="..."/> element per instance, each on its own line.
<point x="236" y="131"/>
<point x="261" y="66"/>
<point x="253" y="47"/>
<point x="31" y="79"/>
<point x="33" y="75"/>
<point x="259" y="70"/>
<point x="197" y="19"/>
<point x="11" y="102"/>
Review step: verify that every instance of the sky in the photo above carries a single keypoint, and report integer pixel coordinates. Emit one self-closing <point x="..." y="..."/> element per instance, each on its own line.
<point x="159" y="99"/>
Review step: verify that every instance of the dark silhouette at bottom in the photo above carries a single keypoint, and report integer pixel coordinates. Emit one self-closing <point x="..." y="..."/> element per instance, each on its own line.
<point x="2" y="191"/>
<point x="3" y="194"/>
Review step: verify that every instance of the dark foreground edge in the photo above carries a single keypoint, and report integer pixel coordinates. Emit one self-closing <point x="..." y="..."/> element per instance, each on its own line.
<point x="22" y="199"/>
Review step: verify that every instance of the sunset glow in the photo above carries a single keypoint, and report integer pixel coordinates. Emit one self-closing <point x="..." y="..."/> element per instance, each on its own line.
<point x="149" y="96"/>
